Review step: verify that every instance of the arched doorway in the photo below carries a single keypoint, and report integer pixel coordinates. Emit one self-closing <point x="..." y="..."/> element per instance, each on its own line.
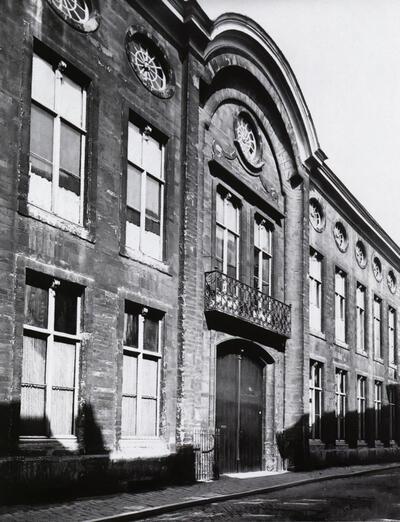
<point x="239" y="407"/>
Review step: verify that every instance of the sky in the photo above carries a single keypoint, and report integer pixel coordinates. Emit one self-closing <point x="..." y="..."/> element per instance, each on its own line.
<point x="345" y="55"/>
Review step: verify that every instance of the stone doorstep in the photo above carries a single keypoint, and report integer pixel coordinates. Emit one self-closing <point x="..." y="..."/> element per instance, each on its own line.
<point x="212" y="497"/>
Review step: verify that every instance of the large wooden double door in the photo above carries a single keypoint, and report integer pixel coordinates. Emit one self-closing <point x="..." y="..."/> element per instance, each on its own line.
<point x="239" y="411"/>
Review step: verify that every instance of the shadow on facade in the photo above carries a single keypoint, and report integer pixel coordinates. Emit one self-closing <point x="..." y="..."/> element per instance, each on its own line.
<point x="39" y="471"/>
<point x="301" y="452"/>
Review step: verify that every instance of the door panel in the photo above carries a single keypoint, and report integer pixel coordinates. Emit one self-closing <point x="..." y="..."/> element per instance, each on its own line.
<point x="239" y="412"/>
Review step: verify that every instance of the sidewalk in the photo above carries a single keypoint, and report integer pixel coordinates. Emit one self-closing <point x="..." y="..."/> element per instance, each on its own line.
<point x="135" y="506"/>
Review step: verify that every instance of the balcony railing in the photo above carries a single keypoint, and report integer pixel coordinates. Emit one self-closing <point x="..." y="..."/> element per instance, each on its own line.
<point x="234" y="298"/>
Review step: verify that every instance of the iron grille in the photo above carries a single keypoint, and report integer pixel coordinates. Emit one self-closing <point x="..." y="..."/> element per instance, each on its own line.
<point x="232" y="297"/>
<point x="205" y="445"/>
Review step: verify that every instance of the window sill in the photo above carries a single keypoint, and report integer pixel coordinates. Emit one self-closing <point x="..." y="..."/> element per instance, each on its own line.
<point x="58" y="222"/>
<point x="362" y="444"/>
<point x="341" y="344"/>
<point x="363" y="354"/>
<point x="341" y="444"/>
<point x="136" y="447"/>
<point x="319" y="335"/>
<point x="316" y="442"/>
<point x="49" y="444"/>
<point x="143" y="259"/>
<point x="378" y="360"/>
<point x="379" y="444"/>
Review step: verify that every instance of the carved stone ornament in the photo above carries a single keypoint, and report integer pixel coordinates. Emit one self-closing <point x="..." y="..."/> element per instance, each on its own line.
<point x="150" y="63"/>
<point x="316" y="215"/>
<point x="340" y="235"/>
<point x="377" y="268"/>
<point x="248" y="142"/>
<point x="361" y="254"/>
<point x="78" y="13"/>
<point x="391" y="281"/>
<point x="219" y="152"/>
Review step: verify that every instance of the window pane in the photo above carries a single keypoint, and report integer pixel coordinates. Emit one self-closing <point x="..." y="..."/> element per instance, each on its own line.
<point x="265" y="273"/>
<point x="148" y="417"/>
<point x="152" y="156"/>
<point x="220" y="209"/>
<point x="153" y="195"/>
<point x="131" y="329"/>
<point x="150" y="335"/>
<point x="33" y="392"/>
<point x="256" y="267"/>
<point x="134" y="145"/>
<point x="129" y="377"/>
<point x="43" y="82"/>
<point x="134" y="188"/>
<point x="128" y="419"/>
<point x="63" y="364"/>
<point x="41" y="145"/>
<point x="149" y="377"/>
<point x="65" y="314"/>
<point x="231" y="216"/>
<point x="219" y="247"/>
<point x="265" y="239"/>
<point x="232" y="255"/>
<point x="33" y="360"/>
<point x="70" y="159"/>
<point x="36" y="305"/>
<point x="71" y="105"/>
<point x="62" y="410"/>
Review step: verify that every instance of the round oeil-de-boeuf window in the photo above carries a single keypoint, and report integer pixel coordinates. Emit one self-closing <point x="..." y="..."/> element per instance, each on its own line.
<point x="248" y="141"/>
<point x="78" y="13"/>
<point x="149" y="63"/>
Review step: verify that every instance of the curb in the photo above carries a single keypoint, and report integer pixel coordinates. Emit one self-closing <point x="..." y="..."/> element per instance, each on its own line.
<point x="177" y="506"/>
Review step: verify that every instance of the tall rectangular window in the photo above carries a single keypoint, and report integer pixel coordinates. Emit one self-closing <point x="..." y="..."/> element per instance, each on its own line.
<point x="262" y="255"/>
<point x="141" y="372"/>
<point x="341" y="403"/>
<point x="360" y="317"/>
<point x="144" y="192"/>
<point x="391" y="394"/>
<point x="227" y="234"/>
<point x="392" y="335"/>
<point x="340" y="305"/>
<point x="58" y="140"/>
<point x="378" y="409"/>
<point x="377" y="328"/>
<point x="361" y="405"/>
<point x="315" y="398"/>
<point x="50" y="357"/>
<point x="315" y="274"/>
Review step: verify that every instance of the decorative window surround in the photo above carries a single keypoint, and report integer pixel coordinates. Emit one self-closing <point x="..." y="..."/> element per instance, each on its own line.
<point x="315" y="290"/>
<point x="144" y="194"/>
<point x="341" y="403"/>
<point x="340" y="305"/>
<point x="227" y="234"/>
<point x="315" y="399"/>
<point x="50" y="362"/>
<point x="377" y="327"/>
<point x="58" y="141"/>
<point x="360" y="317"/>
<point x="78" y="13"/>
<point x="361" y="406"/>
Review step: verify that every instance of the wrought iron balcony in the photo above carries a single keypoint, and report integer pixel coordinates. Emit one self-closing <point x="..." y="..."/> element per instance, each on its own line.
<point x="231" y="297"/>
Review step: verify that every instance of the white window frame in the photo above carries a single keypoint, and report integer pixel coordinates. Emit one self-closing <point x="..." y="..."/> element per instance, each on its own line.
<point x="377" y="327"/>
<point x="360" y="317"/>
<point x="50" y="333"/>
<point x="392" y="335"/>
<point x="146" y="132"/>
<point x="315" y="290"/>
<point x="341" y="403"/>
<point x="141" y="353"/>
<point x="361" y="406"/>
<point x="260" y="223"/>
<point x="378" y="385"/>
<point x="227" y="228"/>
<point x="315" y="396"/>
<point x="340" y="305"/>
<point x="55" y="112"/>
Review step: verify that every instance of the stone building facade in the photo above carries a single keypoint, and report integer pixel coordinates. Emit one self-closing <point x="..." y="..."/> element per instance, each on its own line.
<point x="166" y="212"/>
